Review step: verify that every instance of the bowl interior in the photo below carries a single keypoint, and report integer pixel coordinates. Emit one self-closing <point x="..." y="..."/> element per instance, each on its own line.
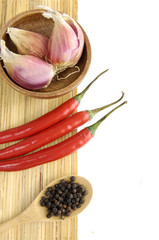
<point x="34" y="21"/>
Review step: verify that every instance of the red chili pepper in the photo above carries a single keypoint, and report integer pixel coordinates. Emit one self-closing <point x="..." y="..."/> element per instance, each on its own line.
<point x="45" y="121"/>
<point x="54" y="152"/>
<point x="50" y="134"/>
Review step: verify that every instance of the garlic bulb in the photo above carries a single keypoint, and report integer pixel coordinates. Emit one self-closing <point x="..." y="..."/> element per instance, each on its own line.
<point x="66" y="42"/>
<point x="29" y="43"/>
<point x="28" y="71"/>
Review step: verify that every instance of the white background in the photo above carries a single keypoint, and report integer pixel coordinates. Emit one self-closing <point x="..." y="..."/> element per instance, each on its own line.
<point x="121" y="161"/>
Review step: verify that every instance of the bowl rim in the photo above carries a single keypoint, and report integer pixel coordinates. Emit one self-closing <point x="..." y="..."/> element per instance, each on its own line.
<point x="52" y="94"/>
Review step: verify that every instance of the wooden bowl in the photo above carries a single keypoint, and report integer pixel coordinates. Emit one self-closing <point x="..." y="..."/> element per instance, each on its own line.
<point x="34" y="21"/>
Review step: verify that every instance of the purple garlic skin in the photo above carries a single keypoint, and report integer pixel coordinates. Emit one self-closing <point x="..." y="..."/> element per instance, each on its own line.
<point x="80" y="36"/>
<point x="29" y="43"/>
<point x="34" y="74"/>
<point x="27" y="71"/>
<point x="66" y="42"/>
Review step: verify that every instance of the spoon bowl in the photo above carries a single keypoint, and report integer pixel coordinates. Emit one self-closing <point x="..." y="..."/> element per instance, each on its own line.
<point x="36" y="213"/>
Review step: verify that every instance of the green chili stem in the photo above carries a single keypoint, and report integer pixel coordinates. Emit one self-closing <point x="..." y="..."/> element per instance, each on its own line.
<point x="95" y="111"/>
<point x="94" y="127"/>
<point x="79" y="96"/>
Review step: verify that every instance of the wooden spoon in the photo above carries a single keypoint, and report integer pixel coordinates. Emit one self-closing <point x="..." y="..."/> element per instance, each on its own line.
<point x="36" y="213"/>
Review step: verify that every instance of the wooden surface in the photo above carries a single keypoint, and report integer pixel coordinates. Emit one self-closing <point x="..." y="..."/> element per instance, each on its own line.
<point x="19" y="189"/>
<point x="37" y="213"/>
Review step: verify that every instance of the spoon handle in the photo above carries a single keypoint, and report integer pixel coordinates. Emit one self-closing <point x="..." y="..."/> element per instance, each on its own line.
<point x="20" y="219"/>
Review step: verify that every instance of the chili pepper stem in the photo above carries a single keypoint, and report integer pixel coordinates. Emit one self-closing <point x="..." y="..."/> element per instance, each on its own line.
<point x="95" y="111"/>
<point x="94" y="126"/>
<point x="79" y="96"/>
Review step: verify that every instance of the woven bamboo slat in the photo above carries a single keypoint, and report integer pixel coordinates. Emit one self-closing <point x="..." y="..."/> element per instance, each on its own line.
<point x="18" y="189"/>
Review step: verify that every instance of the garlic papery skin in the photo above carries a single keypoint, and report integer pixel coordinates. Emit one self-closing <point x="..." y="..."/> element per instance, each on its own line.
<point x="77" y="29"/>
<point x="28" y="43"/>
<point x="66" y="42"/>
<point x="28" y="71"/>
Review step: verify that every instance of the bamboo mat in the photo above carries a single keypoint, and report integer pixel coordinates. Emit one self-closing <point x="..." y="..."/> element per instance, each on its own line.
<point x="19" y="189"/>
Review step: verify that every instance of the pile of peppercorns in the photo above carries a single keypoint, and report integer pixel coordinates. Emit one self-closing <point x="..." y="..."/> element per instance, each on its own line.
<point x="63" y="198"/>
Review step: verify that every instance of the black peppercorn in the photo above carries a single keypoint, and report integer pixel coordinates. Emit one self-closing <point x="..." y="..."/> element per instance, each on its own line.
<point x="57" y="203"/>
<point x="63" y="210"/>
<point x="62" y="188"/>
<point x="60" y="199"/>
<point x="43" y="199"/>
<point x="68" y="208"/>
<point x="72" y="179"/>
<point x="74" y="185"/>
<point x="48" y="204"/>
<point x="53" y="205"/>
<point x="81" y="201"/>
<point x="79" y="195"/>
<point x="74" y="190"/>
<point x="76" y="203"/>
<point x="60" y="205"/>
<point x="59" y="211"/>
<point x="84" y="192"/>
<point x="69" y="204"/>
<point x="42" y="204"/>
<point x="54" y="210"/>
<point x="56" y="190"/>
<point x="71" y="195"/>
<point x="52" y="192"/>
<point x="64" y="206"/>
<point x="63" y="194"/>
<point x="46" y="200"/>
<point x="60" y="185"/>
<point x="57" y="196"/>
<point x="59" y="192"/>
<point x="66" y="191"/>
<point x="74" y="207"/>
<point x="67" y="214"/>
<point x="75" y="195"/>
<point x="73" y="200"/>
<point x="69" y="186"/>
<point x="47" y="193"/>
<point x="63" y="198"/>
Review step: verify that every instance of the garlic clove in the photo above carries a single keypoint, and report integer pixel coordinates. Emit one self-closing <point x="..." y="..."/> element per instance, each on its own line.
<point x="79" y="33"/>
<point x="28" y="71"/>
<point x="66" y="42"/>
<point x="29" y="43"/>
<point x="62" y="42"/>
